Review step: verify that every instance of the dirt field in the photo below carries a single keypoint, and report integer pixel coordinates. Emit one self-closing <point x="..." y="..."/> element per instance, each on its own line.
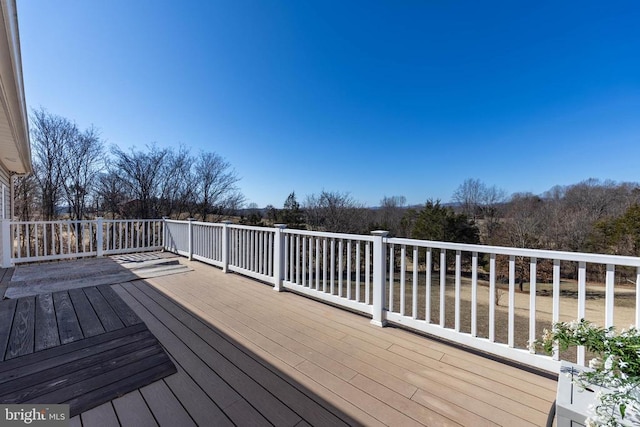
<point x="624" y="314"/>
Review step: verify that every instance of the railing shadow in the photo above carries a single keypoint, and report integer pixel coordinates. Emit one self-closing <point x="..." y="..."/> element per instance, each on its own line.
<point x="260" y="383"/>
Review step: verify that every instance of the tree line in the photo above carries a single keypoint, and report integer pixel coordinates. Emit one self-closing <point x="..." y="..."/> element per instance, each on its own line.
<point x="75" y="176"/>
<point x="590" y="216"/>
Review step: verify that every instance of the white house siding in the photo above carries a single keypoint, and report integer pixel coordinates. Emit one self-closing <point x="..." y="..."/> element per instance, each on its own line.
<point x="5" y="194"/>
<point x="15" y="150"/>
<point x="5" y="197"/>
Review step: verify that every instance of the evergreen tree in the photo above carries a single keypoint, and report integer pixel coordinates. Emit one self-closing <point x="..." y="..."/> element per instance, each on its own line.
<point x="291" y="214"/>
<point x="436" y="222"/>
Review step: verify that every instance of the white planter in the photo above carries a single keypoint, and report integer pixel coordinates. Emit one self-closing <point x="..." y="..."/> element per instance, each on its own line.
<point x="572" y="402"/>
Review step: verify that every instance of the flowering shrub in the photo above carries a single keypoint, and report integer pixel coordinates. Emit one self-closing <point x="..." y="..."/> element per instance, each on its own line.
<point x="616" y="367"/>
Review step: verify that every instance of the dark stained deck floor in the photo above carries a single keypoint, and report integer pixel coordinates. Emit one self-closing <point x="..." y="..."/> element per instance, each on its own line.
<point x="82" y="347"/>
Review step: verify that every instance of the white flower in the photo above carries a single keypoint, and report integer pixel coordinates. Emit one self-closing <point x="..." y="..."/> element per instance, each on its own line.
<point x="531" y="344"/>
<point x="589" y="422"/>
<point x="595" y="363"/>
<point x="616" y="374"/>
<point x="608" y="363"/>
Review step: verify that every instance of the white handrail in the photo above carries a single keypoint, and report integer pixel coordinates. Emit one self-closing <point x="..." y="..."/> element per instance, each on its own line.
<point x="435" y="287"/>
<point x="390" y="279"/>
<point x="539" y="253"/>
<point x="33" y="241"/>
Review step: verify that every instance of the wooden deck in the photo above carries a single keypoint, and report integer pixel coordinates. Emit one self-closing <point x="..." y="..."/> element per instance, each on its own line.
<point x="82" y="347"/>
<point x="247" y="355"/>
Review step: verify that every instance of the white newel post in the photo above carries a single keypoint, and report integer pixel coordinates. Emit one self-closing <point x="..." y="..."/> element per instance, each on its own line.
<point x="225" y="246"/>
<point x="278" y="257"/>
<point x="164" y="233"/>
<point x="190" y="238"/>
<point x="379" y="276"/>
<point x="99" y="237"/>
<point x="6" y="243"/>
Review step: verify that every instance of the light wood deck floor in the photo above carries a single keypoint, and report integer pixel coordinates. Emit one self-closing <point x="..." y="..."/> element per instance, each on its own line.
<point x="247" y="355"/>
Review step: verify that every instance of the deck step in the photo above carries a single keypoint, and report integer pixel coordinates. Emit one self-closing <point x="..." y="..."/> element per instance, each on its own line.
<point x="161" y="270"/>
<point x="135" y="265"/>
<point x="153" y="264"/>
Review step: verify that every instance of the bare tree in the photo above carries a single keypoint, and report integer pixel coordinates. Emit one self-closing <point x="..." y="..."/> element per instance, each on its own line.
<point x="469" y="196"/>
<point x="523" y="226"/>
<point x="390" y="214"/>
<point x="524" y="222"/>
<point x="140" y="175"/>
<point x="479" y="201"/>
<point x="253" y="215"/>
<point x="491" y="202"/>
<point x="50" y="136"/>
<point x="217" y="189"/>
<point x="177" y="184"/>
<point x="271" y="213"/>
<point x="110" y="194"/>
<point x="27" y="196"/>
<point x="83" y="162"/>
<point x="583" y="205"/>
<point x="336" y="212"/>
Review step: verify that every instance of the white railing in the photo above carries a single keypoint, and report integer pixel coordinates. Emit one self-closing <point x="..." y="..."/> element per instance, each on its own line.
<point x="177" y="237"/>
<point x="207" y="242"/>
<point x="463" y="293"/>
<point x="329" y="266"/>
<point x="429" y="299"/>
<point x="129" y="235"/>
<point x="237" y="248"/>
<point x="251" y="251"/>
<point x="32" y="241"/>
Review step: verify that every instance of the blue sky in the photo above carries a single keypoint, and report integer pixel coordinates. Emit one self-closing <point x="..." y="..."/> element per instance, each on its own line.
<point x="373" y="98"/>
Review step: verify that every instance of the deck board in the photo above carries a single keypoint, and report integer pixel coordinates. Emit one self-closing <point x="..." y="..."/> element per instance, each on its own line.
<point x="108" y="318"/>
<point x="21" y="341"/>
<point x="256" y="369"/>
<point x="68" y="324"/>
<point x="7" y="312"/>
<point x="74" y="360"/>
<point x="46" y="332"/>
<point x="241" y="413"/>
<point x="132" y="410"/>
<point x="5" y="279"/>
<point x="125" y="313"/>
<point x="71" y="368"/>
<point x="201" y="408"/>
<point x="87" y="317"/>
<point x="103" y="415"/>
<point x="410" y="367"/>
<point x="246" y="355"/>
<point x="447" y="375"/>
<point x="164" y="407"/>
<point x="84" y="395"/>
<point x="266" y="403"/>
<point x="490" y="408"/>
